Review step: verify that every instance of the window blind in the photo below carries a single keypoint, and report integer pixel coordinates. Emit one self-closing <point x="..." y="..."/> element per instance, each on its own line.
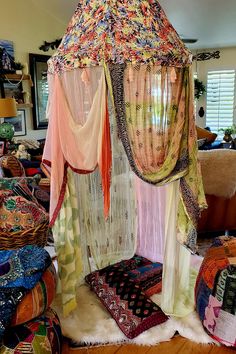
<point x="220" y="99"/>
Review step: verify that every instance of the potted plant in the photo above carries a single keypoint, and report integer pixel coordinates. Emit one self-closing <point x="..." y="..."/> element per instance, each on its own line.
<point x="18" y="68"/>
<point x="199" y="88"/>
<point x="228" y="132"/>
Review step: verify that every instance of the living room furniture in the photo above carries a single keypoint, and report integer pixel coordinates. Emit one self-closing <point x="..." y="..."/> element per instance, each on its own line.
<point x="215" y="291"/>
<point x="219" y="180"/>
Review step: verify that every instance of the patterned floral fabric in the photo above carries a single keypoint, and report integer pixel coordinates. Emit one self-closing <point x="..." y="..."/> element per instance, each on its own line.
<point x="124" y="297"/>
<point x="38" y="299"/>
<point x="17" y="213"/>
<point x="20" y="270"/>
<point x="39" y="336"/>
<point x="116" y="32"/>
<point x="215" y="290"/>
<point x="155" y="119"/>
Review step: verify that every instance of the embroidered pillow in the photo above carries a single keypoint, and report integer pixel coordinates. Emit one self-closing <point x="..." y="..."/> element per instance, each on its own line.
<point x="17" y="213"/>
<point x="126" y="301"/>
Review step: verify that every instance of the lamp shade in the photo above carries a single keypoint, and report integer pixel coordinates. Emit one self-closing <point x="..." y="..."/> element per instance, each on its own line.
<point x="7" y="107"/>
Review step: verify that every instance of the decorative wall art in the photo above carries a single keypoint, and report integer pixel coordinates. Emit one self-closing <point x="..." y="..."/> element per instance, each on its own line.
<point x="38" y="71"/>
<point x="19" y="122"/>
<point x="6" y="56"/>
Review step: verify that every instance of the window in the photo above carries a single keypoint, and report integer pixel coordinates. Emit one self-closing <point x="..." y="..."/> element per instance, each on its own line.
<point x="220" y="99"/>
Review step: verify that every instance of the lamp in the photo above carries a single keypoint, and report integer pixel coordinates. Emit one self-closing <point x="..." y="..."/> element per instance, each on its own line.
<point x="7" y="107"/>
<point x="7" y="110"/>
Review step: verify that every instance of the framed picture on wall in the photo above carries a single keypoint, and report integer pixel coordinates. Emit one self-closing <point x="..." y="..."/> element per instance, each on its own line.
<point x="19" y="122"/>
<point x="7" y="64"/>
<point x="2" y="145"/>
<point x="38" y="71"/>
<point x="12" y="90"/>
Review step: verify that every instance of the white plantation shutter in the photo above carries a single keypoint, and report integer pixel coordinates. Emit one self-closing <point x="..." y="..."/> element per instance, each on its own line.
<point x="220" y="99"/>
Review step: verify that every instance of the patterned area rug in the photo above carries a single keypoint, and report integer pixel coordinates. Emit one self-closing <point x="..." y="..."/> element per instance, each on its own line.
<point x="91" y="324"/>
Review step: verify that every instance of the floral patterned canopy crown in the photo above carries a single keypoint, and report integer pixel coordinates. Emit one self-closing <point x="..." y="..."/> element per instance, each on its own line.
<point x="118" y="31"/>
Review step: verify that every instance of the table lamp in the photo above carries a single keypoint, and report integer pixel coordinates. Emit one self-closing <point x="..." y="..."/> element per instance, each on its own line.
<point x="7" y="110"/>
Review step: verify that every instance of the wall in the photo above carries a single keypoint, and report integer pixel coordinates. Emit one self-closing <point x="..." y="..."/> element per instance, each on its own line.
<point x="227" y="61"/>
<point x="28" y="25"/>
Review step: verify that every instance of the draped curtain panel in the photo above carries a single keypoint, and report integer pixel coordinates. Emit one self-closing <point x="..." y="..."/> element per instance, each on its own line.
<point x="85" y="237"/>
<point x="155" y="120"/>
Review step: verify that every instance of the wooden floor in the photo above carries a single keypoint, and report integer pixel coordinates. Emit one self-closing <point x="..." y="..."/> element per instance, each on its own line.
<point x="177" y="345"/>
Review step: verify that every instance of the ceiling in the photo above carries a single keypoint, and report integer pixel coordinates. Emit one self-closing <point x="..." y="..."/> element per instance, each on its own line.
<point x="212" y="22"/>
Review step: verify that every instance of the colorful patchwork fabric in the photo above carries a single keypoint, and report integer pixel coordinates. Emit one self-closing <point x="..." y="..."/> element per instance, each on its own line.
<point x="17" y="213"/>
<point x="215" y="290"/>
<point x="39" y="336"/>
<point x="38" y="299"/>
<point x="149" y="277"/>
<point x="116" y="32"/>
<point x="20" y="270"/>
<point x="125" y="299"/>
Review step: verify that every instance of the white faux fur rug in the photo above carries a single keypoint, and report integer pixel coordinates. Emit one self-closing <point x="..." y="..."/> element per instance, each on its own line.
<point x="92" y="324"/>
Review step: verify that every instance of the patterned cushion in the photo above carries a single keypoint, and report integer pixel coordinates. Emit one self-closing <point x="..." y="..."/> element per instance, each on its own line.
<point x="38" y="299"/>
<point x="215" y="290"/>
<point x="149" y="277"/>
<point x="11" y="166"/>
<point x="126" y="301"/>
<point x="17" y="213"/>
<point x="39" y="336"/>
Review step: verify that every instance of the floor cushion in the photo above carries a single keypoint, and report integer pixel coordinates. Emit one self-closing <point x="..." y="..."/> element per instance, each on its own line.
<point x="39" y="336"/>
<point x="215" y="290"/>
<point x="38" y="299"/>
<point x="124" y="298"/>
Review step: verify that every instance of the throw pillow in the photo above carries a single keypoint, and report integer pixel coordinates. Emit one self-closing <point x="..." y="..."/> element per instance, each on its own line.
<point x="126" y="301"/>
<point x="205" y="134"/>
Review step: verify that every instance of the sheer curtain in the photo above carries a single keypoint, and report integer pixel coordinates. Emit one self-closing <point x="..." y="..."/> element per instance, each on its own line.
<point x="157" y="240"/>
<point x="78" y="153"/>
<point x="113" y="239"/>
<point x="151" y="204"/>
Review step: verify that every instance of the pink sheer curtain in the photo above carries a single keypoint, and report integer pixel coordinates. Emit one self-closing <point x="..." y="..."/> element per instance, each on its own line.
<point x="151" y="204"/>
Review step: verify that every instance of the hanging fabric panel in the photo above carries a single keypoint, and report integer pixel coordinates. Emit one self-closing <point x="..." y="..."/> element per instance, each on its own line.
<point x="77" y="138"/>
<point x="157" y="219"/>
<point x="177" y="298"/>
<point x="84" y="239"/>
<point x="155" y="117"/>
<point x="151" y="204"/>
<point x="115" y="238"/>
<point x="66" y="232"/>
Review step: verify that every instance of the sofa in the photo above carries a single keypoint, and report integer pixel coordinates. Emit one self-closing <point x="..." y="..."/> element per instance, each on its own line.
<point x="219" y="181"/>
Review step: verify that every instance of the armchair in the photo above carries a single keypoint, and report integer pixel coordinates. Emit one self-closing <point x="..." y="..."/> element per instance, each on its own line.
<point x="219" y="180"/>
